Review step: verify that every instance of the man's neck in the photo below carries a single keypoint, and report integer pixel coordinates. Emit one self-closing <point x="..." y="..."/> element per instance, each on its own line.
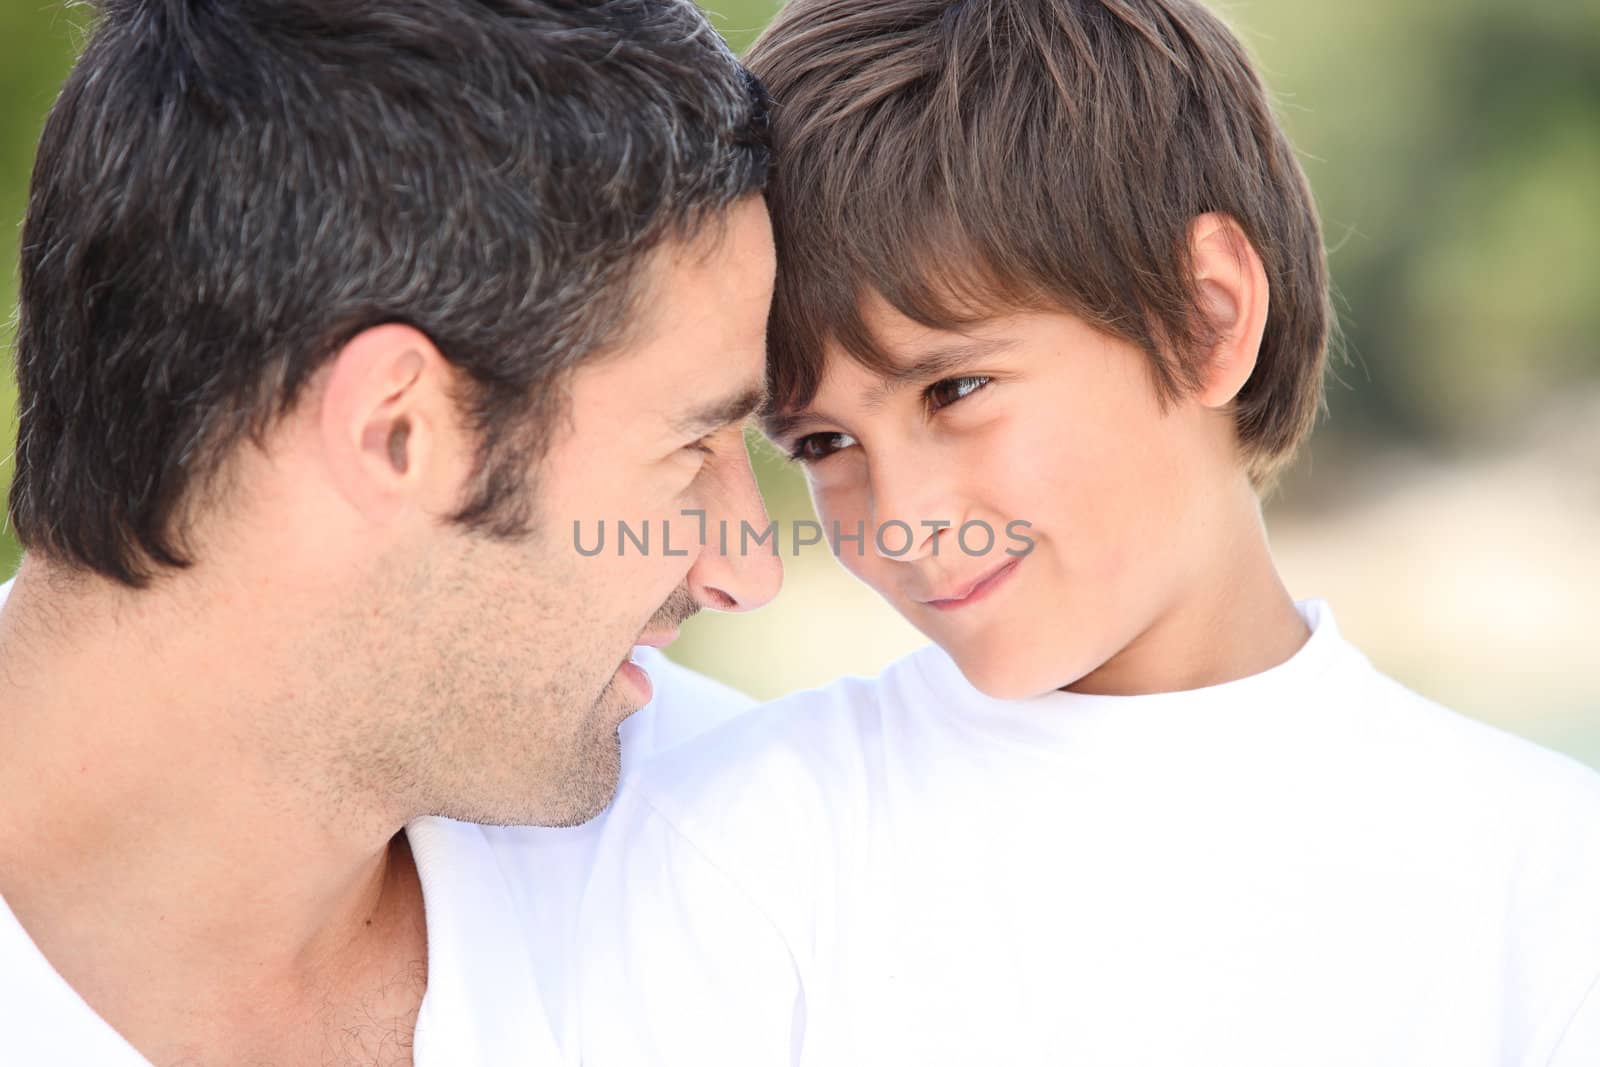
<point x="204" y="905"/>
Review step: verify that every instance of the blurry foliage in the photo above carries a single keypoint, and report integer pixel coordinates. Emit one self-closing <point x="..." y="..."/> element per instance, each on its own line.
<point x="1454" y="146"/>
<point x="1455" y="151"/>
<point x="38" y="39"/>
<point x="740" y="20"/>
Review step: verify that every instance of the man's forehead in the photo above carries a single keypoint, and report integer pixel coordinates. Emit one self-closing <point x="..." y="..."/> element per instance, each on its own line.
<point x="696" y="280"/>
<point x="694" y="357"/>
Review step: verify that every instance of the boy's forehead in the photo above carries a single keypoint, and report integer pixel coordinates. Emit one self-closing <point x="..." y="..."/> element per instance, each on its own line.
<point x="899" y="334"/>
<point x="910" y="350"/>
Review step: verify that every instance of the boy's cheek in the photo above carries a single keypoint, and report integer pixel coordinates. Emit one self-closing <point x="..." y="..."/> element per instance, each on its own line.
<point x="843" y="506"/>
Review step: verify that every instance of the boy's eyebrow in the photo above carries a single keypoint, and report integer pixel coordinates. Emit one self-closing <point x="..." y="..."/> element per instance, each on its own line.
<point x="724" y="411"/>
<point x="933" y="364"/>
<point x="780" y="426"/>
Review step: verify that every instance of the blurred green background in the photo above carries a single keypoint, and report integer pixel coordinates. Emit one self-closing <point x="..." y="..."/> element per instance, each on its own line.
<point x="1449" y="506"/>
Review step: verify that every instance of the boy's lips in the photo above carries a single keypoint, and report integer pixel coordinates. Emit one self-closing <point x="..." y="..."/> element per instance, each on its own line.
<point x="972" y="591"/>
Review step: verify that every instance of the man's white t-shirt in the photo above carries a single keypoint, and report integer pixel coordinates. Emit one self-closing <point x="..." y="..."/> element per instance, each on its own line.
<point x="501" y="908"/>
<point x="1310" y="866"/>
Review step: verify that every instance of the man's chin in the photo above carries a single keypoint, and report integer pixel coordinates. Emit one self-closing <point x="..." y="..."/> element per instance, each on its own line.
<point x="591" y="784"/>
<point x="593" y="768"/>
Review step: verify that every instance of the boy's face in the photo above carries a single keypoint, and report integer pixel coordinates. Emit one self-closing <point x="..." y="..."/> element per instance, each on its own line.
<point x="1034" y="418"/>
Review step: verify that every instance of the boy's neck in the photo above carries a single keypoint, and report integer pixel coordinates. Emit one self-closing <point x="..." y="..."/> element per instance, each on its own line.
<point x="1238" y="621"/>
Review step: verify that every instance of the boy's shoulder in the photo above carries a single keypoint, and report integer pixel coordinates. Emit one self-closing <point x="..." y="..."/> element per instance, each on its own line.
<point x="815" y="746"/>
<point x="1330" y="728"/>
<point x="1488" y="823"/>
<point x="1482" y="765"/>
<point x="683" y="705"/>
<point x="1401" y="786"/>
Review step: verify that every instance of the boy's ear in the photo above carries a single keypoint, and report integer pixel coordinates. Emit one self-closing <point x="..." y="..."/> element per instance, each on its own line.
<point x="387" y="424"/>
<point x="1233" y="290"/>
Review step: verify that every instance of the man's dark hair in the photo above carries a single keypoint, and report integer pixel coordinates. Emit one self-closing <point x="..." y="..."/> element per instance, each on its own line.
<point x="963" y="158"/>
<point x="227" y="191"/>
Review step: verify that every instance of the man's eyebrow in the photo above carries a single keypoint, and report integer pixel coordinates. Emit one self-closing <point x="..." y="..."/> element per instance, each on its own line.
<point x="933" y="364"/>
<point x="715" y="414"/>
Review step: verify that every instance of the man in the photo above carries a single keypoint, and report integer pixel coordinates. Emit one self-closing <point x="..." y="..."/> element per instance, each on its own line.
<point x="336" y="319"/>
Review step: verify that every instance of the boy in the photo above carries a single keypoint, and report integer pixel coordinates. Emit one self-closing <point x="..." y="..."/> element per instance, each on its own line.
<point x="1052" y="262"/>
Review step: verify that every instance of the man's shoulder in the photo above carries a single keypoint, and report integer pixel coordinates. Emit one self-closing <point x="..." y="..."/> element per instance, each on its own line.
<point x="43" y="1020"/>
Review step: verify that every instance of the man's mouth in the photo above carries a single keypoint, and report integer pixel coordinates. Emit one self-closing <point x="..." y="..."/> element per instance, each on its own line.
<point x="657" y="638"/>
<point x="634" y="675"/>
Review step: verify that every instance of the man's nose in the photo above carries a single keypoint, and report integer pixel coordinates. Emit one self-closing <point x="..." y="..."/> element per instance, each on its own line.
<point x="738" y="568"/>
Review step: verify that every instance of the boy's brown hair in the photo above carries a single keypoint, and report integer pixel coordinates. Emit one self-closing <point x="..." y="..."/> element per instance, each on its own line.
<point x="963" y="158"/>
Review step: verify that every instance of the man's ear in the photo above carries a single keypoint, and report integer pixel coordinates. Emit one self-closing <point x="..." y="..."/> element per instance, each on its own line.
<point x="1233" y="291"/>
<point x="387" y="423"/>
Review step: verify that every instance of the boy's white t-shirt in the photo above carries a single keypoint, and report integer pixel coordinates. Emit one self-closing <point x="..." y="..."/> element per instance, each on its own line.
<point x="1310" y="866"/>
<point x="501" y="908"/>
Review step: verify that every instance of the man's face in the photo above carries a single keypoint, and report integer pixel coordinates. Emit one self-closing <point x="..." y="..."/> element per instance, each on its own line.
<point x="1035" y="418"/>
<point x="536" y="674"/>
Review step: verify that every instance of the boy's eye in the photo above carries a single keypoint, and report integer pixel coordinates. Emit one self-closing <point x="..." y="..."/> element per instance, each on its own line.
<point x="943" y="394"/>
<point x="815" y="446"/>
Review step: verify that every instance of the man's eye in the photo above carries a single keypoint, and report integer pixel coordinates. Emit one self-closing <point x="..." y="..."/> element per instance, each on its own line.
<point x="815" y="446"/>
<point x="943" y="394"/>
<point x="703" y="445"/>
